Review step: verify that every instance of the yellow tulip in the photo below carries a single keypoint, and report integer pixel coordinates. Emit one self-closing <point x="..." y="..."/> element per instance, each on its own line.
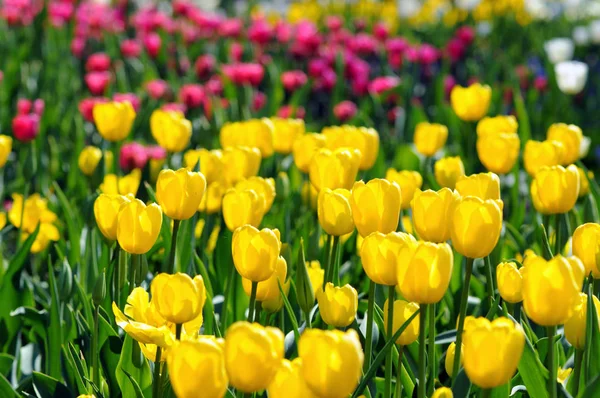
<point x="554" y="190"/>
<point x="2" y="220"/>
<point x="584" y="183"/>
<point x="128" y="184"/>
<point x="538" y="154"/>
<point x="570" y="136"/>
<point x="289" y="382"/>
<point x="170" y="129"/>
<point x="331" y="361"/>
<point x="497" y="125"/>
<point x="430" y="138"/>
<point x="213" y="198"/>
<point x="576" y="326"/>
<point x="47" y="233"/>
<point x="106" y="210"/>
<point x="443" y="392"/>
<point x="269" y="289"/>
<point x="242" y="208"/>
<point x="475" y="226"/>
<point x="510" y="282"/>
<point x="305" y="147"/>
<point x="197" y="368"/>
<point x="316" y="275"/>
<point x="449" y="361"/>
<point x="337" y="305"/>
<point x="430" y="213"/>
<point x="240" y="163"/>
<point x="210" y="162"/>
<point x="483" y="185"/>
<point x="498" y="152"/>
<point x="448" y="170"/>
<point x="114" y="119"/>
<point x="5" y="148"/>
<point x="180" y="192"/>
<point x="275" y="304"/>
<point x="138" y="226"/>
<point x="255" y="252"/>
<point x="563" y="375"/>
<point x="586" y="246"/>
<point x="256" y="133"/>
<point x="376" y="206"/>
<point x="380" y="255"/>
<point x="408" y="181"/>
<point x="551" y="289"/>
<point x="471" y="103"/>
<point x="310" y="196"/>
<point x="32" y="212"/>
<point x="492" y="350"/>
<point x="253" y="354"/>
<point x="424" y="271"/>
<point x="334" y="169"/>
<point x="179" y="298"/>
<point x="286" y="132"/>
<point x="334" y="211"/>
<point x="88" y="159"/>
<point x="402" y="311"/>
<point x="264" y="187"/>
<point x="364" y="139"/>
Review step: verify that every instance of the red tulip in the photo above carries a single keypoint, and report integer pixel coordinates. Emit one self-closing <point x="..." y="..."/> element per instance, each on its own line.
<point x="26" y="127"/>
<point x="260" y="32"/>
<point x="133" y="156"/>
<point x="293" y="79"/>
<point x="345" y="110"/>
<point x="192" y="95"/>
<point x="231" y="28"/>
<point x="98" y="62"/>
<point x="466" y="34"/>
<point x="204" y="65"/>
<point x="334" y="23"/>
<point x="259" y="99"/>
<point x="86" y="107"/>
<point x="97" y="82"/>
<point x="381" y="31"/>
<point x="540" y="83"/>
<point x="152" y="43"/>
<point x="77" y="46"/>
<point x="288" y="111"/>
<point x="130" y="48"/>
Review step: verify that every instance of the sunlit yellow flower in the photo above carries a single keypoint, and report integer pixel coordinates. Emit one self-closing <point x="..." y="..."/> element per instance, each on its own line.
<point x="402" y="311"/>
<point x="576" y="326"/>
<point x="305" y="147"/>
<point x="180" y="192"/>
<point x="269" y="289"/>
<point x="497" y="125"/>
<point x="430" y="137"/>
<point x="170" y="129"/>
<point x="483" y="186"/>
<point x="114" y="119"/>
<point x="285" y="133"/>
<point x="498" y="152"/>
<point x="88" y="159"/>
<point x="255" y="252"/>
<point x="448" y="170"/>
<point x="242" y="207"/>
<point x="289" y="382"/>
<point x="538" y="154"/>
<point x="264" y="187"/>
<point x="571" y="137"/>
<point x="5" y="148"/>
<point x="210" y="163"/>
<point x="128" y="184"/>
<point x="471" y="103"/>
<point x="240" y="163"/>
<point x="106" y="210"/>
<point x="338" y="305"/>
<point x="257" y="133"/>
<point x="555" y="189"/>
<point x="138" y="226"/>
<point x="376" y="206"/>
<point x="334" y="169"/>
<point x="430" y="214"/>
<point x="408" y="181"/>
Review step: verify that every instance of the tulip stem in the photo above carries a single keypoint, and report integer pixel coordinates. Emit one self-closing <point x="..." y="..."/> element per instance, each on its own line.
<point x="121" y="274"/>
<point x="178" y="330"/>
<point x="461" y="317"/>
<point x="156" y="385"/>
<point x="390" y="333"/>
<point x="551" y="362"/>
<point x="399" y="374"/>
<point x="400" y="227"/>
<point x="577" y="371"/>
<point x="486" y="392"/>
<point x="95" y="351"/>
<point x="171" y="263"/>
<point x="490" y="281"/>
<point x="422" y="348"/>
<point x="557" y="234"/>
<point x="369" y="319"/>
<point x="327" y="259"/>
<point x="252" y="303"/>
<point x="431" y="350"/>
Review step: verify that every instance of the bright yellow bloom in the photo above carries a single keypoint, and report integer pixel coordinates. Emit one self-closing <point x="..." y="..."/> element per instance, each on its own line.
<point x="554" y="190"/>
<point x="5" y="148"/>
<point x="257" y="133"/>
<point x="128" y="184"/>
<point x="240" y="163"/>
<point x="498" y="152"/>
<point x="275" y="304"/>
<point x="586" y="246"/>
<point x="376" y="206"/>
<point x="563" y="374"/>
<point x="551" y="289"/>
<point x="255" y="252"/>
<point x="2" y="220"/>
<point x="253" y="354"/>
<point x="334" y="169"/>
<point x="305" y="147"/>
<point x="48" y="232"/>
<point x="538" y="154"/>
<point x="491" y="350"/>
<point x="269" y="289"/>
<point x="138" y="226"/>
<point x="316" y="275"/>
<point x="179" y="298"/>
<point x="443" y="392"/>
<point x="497" y="125"/>
<point x="286" y="132"/>
<point x="106" y="210"/>
<point x="430" y="138"/>
<point x="213" y="198"/>
<point x="242" y="207"/>
<point x="180" y="192"/>
<point x="449" y="361"/>
<point x="483" y="185"/>
<point x="471" y="103"/>
<point x="334" y="211"/>
<point x="338" y="305"/>
<point x="114" y="119"/>
<point x="264" y="187"/>
<point x="402" y="311"/>
<point x="476" y="226"/>
<point x="380" y="255"/>
<point x="289" y="382"/>
<point x="33" y="213"/>
<point x="448" y="170"/>
<point x="576" y="326"/>
<point x="571" y="137"/>
<point x="510" y="282"/>
<point x="364" y="139"/>
<point x="430" y="213"/>
<point x="170" y="129"/>
<point x="408" y="181"/>
<point x="584" y="183"/>
<point x="210" y="162"/>
<point x="88" y="159"/>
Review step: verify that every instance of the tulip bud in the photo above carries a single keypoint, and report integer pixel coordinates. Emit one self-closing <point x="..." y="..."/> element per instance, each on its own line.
<point x="403" y="310"/>
<point x="334" y="211"/>
<point x="471" y="103"/>
<point x="538" y="154"/>
<point x="338" y="305"/>
<point x="213" y="198"/>
<point x="380" y="253"/>
<point x="114" y="119"/>
<point x="264" y="187"/>
<point x="170" y="129"/>
<point x="363" y="139"/>
<point x="483" y="186"/>
<point x="268" y="290"/>
<point x="289" y="382"/>
<point x="448" y="170"/>
<point x="498" y="152"/>
<point x="430" y="138"/>
<point x="211" y="162"/>
<point x="257" y="133"/>
<point x="106" y="210"/>
<point x="242" y="208"/>
<point x="449" y="362"/>
<point x="497" y="125"/>
<point x="584" y="183"/>
<point x="376" y="206"/>
<point x="304" y="148"/>
<point x="576" y="326"/>
<point x="286" y="132"/>
<point x="255" y="253"/>
<point x="443" y="392"/>
<point x="65" y="279"/>
<point x="276" y="304"/>
<point x="240" y="163"/>
<point x="178" y="298"/>
<point x="571" y="137"/>
<point x="305" y="291"/>
<point x="510" y="282"/>
<point x="430" y="213"/>
<point x="138" y="226"/>
<point x="5" y="149"/>
<point x="88" y="159"/>
<point x="586" y="247"/>
<point x="99" y="290"/>
<point x="252" y="370"/>
<point x="334" y="169"/>
<point x="180" y="192"/>
<point x="555" y="189"/>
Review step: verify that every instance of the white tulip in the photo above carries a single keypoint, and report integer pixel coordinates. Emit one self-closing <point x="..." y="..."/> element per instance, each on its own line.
<point x="559" y="49"/>
<point x="571" y="76"/>
<point x="581" y="35"/>
<point x="408" y="8"/>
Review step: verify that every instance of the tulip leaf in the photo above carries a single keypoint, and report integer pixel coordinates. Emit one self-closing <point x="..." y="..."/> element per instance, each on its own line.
<point x="446" y="337"/>
<point x="592" y="389"/>
<point x="6" y="362"/>
<point x="136" y="386"/>
<point x="6" y="390"/>
<point x="592" y="346"/>
<point x="502" y="391"/>
<point x="73" y="369"/>
<point x="49" y="387"/>
<point x="533" y="372"/>
<point x="53" y="366"/>
<point x="290" y="312"/>
<point x="73" y="228"/>
<point x="462" y="385"/>
<point x="141" y="372"/>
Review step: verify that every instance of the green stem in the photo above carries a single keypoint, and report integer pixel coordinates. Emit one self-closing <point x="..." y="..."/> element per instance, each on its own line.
<point x="399" y="374"/>
<point x="226" y="294"/>
<point x="461" y="317"/>
<point x="95" y="351"/>
<point x="422" y="367"/>
<point x="308" y="322"/>
<point x="134" y="271"/>
<point x="332" y="261"/>
<point x="369" y="319"/>
<point x="400" y="227"/>
<point x="178" y="330"/>
<point x="156" y="385"/>
<point x="577" y="371"/>
<point x="171" y="263"/>
<point x="558" y="235"/>
<point x="252" y="302"/>
<point x="327" y="259"/>
<point x="486" y="392"/>
<point x="390" y="333"/>
<point x="490" y="281"/>
<point x="121" y="274"/>
<point x="551" y="362"/>
<point x="431" y="350"/>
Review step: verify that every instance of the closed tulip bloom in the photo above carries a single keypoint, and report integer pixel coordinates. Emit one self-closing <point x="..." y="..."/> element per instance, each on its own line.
<point x="510" y="282"/>
<point x="255" y="253"/>
<point x="88" y="159"/>
<point x="448" y="170"/>
<point x="331" y="361"/>
<point x="106" y="211"/>
<point x="586" y="246"/>
<point x="576" y="326"/>
<point x="256" y="133"/>
<point x="570" y="136"/>
<point x="264" y="187"/>
<point x="242" y="208"/>
<point x="471" y="103"/>
<point x="289" y="382"/>
<point x="430" y="213"/>
<point x="498" y="152"/>
<point x="275" y="304"/>
<point x="443" y="392"/>
<point x="380" y="253"/>
<point x="128" y="184"/>
<point x="449" y="361"/>
<point x="197" y="368"/>
<point x="178" y="298"/>
<point x="539" y="154"/>
<point x="269" y="289"/>
<point x="253" y="354"/>
<point x="334" y="211"/>
<point x="402" y="311"/>
<point x="316" y="275"/>
<point x="304" y="148"/>
<point x="240" y="163"/>
<point x="180" y="192"/>
<point x="170" y="129"/>
<point x="376" y="206"/>
<point x="551" y="289"/>
<point x="430" y="138"/>
<point x="408" y="181"/>
<point x="483" y="186"/>
<point x="492" y="350"/>
<point x="334" y="169"/>
<point x="364" y="139"/>
<point x="584" y="183"/>
<point x="555" y="189"/>
<point x="114" y="119"/>
<point x="338" y="305"/>
<point x="210" y="162"/>
<point x="5" y="148"/>
<point x="497" y="125"/>
<point x="475" y="226"/>
<point x="213" y="198"/>
<point x="138" y="226"/>
<point x="286" y="132"/>
<point x="424" y="272"/>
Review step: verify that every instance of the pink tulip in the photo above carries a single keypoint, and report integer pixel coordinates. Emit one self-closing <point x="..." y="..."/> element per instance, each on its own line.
<point x="345" y="110"/>
<point x="86" y="107"/>
<point x="157" y="88"/>
<point x="152" y="43"/>
<point x="231" y="28"/>
<point x="466" y="35"/>
<point x="381" y="31"/>
<point x="23" y="106"/>
<point x="259" y="99"/>
<point x="288" y="111"/>
<point x="260" y="32"/>
<point x="204" y="65"/>
<point x="98" y="62"/>
<point x="97" y="82"/>
<point x="383" y="83"/>
<point x="133" y="156"/>
<point x="133" y="99"/>
<point x="334" y="23"/>
<point x="192" y="95"/>
<point x="130" y="48"/>
<point x="26" y="127"/>
<point x="293" y="79"/>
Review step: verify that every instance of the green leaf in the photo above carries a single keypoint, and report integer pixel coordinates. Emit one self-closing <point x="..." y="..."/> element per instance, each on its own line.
<point x="501" y="392"/>
<point x="462" y="384"/>
<point x="591" y="365"/>
<point x="6" y="390"/>
<point x="73" y="369"/>
<point x="290" y="312"/>
<point x="592" y="389"/>
<point x="6" y="362"/>
<point x="73" y="227"/>
<point x="140" y="373"/>
<point x="48" y="387"/>
<point x="533" y="373"/>
<point x="54" y="330"/>
<point x="136" y="386"/>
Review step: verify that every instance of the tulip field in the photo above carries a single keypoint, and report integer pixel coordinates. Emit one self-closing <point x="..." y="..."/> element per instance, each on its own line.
<point x="298" y="199"/>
